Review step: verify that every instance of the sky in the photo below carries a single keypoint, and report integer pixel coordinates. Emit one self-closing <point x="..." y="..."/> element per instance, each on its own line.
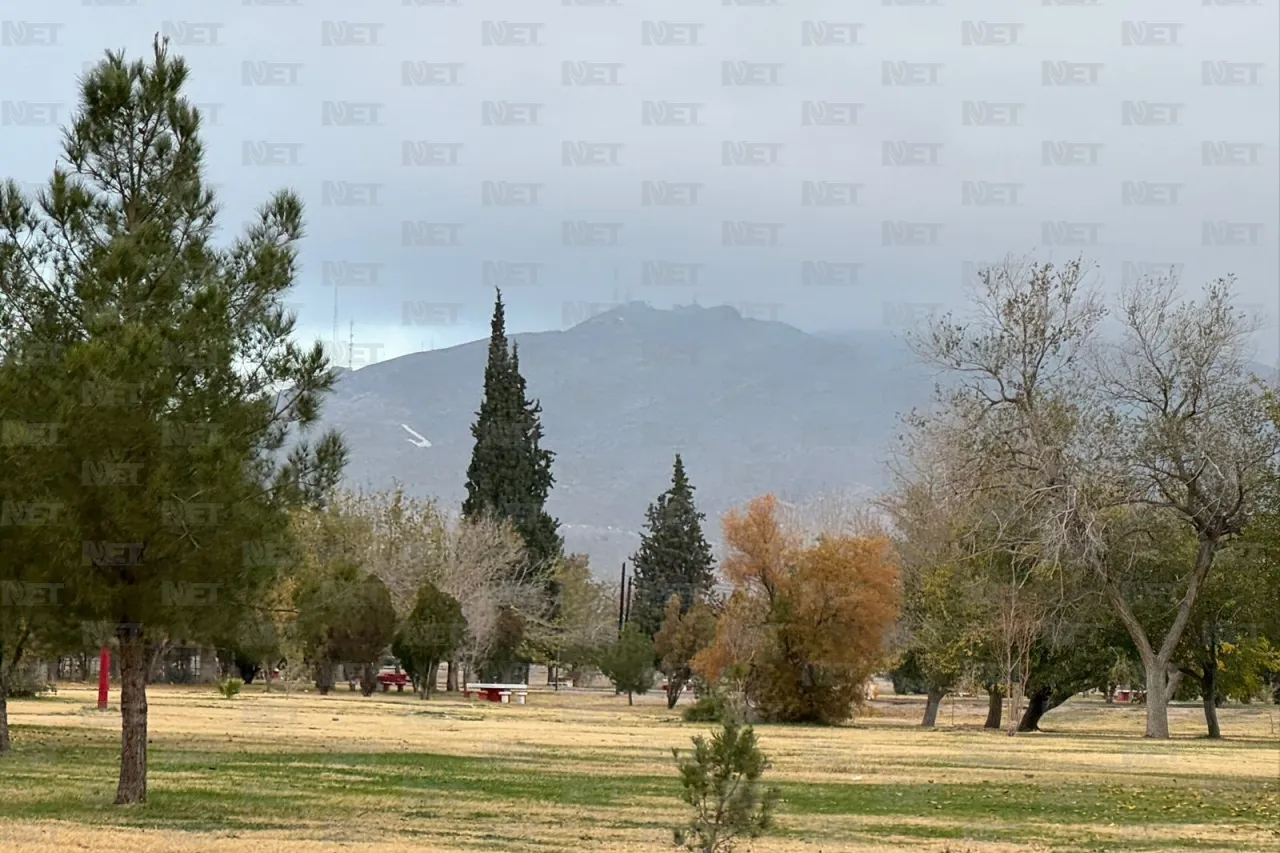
<point x="831" y="164"/>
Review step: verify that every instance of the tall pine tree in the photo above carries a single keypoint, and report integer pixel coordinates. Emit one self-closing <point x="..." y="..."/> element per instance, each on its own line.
<point x="673" y="558"/>
<point x="155" y="424"/>
<point x="510" y="473"/>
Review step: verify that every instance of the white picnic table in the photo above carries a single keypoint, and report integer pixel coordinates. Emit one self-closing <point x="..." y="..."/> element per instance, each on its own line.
<point x="498" y="692"/>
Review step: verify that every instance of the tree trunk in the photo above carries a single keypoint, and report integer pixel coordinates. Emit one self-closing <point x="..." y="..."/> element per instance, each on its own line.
<point x="156" y="669"/>
<point x="1111" y="694"/>
<point x="1155" y="661"/>
<point x="133" y="713"/>
<point x="268" y="668"/>
<point x="433" y="673"/>
<point x="1040" y="703"/>
<point x="209" y="664"/>
<point x="1175" y="679"/>
<point x="1209" y="692"/>
<point x="248" y="671"/>
<point x="1037" y="707"/>
<point x="629" y="702"/>
<point x="5" y="745"/>
<point x="451" y="677"/>
<point x="995" y="708"/>
<point x="368" y="679"/>
<point x="324" y="678"/>
<point x="1157" y="678"/>
<point x="675" y="686"/>
<point x="931" y="706"/>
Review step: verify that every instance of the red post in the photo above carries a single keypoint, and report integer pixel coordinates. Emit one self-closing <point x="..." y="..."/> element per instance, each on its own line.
<point x="104" y="677"/>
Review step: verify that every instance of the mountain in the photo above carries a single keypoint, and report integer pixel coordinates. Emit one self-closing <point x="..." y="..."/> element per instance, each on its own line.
<point x="753" y="406"/>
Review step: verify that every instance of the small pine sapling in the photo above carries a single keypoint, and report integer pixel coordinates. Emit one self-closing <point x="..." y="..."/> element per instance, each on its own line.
<point x="721" y="781"/>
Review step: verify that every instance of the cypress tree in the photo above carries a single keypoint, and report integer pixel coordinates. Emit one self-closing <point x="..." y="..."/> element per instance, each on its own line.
<point x="674" y="557"/>
<point x="510" y="473"/>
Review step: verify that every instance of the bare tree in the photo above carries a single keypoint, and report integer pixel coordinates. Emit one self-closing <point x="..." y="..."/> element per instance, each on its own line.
<point x="1021" y="624"/>
<point x="481" y="562"/>
<point x="838" y="513"/>
<point x="1195" y="432"/>
<point x="1081" y="435"/>
<point x="402" y="532"/>
<point x="978" y="474"/>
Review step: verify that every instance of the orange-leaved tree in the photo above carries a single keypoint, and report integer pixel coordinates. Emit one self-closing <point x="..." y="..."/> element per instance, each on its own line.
<point x="682" y="636"/>
<point x="808" y="618"/>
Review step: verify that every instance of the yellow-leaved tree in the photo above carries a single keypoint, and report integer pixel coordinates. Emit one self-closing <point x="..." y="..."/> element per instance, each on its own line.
<point x="807" y="621"/>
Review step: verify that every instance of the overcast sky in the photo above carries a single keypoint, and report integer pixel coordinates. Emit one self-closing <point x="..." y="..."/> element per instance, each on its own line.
<point x="826" y="163"/>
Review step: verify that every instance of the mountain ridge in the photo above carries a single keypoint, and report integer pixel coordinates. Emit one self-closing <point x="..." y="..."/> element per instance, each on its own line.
<point x="752" y="405"/>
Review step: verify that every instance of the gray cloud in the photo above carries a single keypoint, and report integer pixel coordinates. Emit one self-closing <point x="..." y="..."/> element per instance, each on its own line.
<point x="1171" y="158"/>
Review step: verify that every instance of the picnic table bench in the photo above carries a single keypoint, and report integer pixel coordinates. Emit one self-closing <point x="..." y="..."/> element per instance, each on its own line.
<point x="399" y="679"/>
<point x="497" y="692"/>
<point x="385" y="680"/>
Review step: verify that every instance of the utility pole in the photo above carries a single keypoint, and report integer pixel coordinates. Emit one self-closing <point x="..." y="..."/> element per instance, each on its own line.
<point x="622" y="598"/>
<point x="631" y="589"/>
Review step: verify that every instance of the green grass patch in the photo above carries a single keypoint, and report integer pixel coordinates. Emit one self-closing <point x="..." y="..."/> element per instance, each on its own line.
<point x="69" y="775"/>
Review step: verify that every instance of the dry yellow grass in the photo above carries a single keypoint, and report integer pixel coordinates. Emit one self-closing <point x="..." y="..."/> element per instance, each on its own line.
<point x="602" y="742"/>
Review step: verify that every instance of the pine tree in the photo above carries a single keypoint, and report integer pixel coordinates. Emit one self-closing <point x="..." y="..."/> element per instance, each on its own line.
<point x="673" y="558"/>
<point x="628" y="663"/>
<point x="168" y="369"/>
<point x="510" y="473"/>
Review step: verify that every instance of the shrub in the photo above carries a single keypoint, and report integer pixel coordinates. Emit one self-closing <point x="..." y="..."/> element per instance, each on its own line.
<point x="721" y="781"/>
<point x="230" y="688"/>
<point x="25" y="682"/>
<point x="628" y="663"/>
<point x="708" y="709"/>
<point x="717" y="705"/>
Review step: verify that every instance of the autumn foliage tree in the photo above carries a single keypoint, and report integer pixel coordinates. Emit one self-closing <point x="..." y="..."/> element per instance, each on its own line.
<point x="808" y="618"/>
<point x="682" y="636"/>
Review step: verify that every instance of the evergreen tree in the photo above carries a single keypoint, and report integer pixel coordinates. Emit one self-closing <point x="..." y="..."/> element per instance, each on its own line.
<point x="628" y="663"/>
<point x="168" y="370"/>
<point x="674" y="557"/>
<point x="510" y="473"/>
<point x="432" y="633"/>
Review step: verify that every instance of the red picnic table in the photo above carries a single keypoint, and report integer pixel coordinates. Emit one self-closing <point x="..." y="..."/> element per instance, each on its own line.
<point x="399" y="679"/>
<point x="497" y="692"/>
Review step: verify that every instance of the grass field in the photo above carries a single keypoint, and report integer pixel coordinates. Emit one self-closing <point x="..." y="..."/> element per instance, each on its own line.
<point x="582" y="771"/>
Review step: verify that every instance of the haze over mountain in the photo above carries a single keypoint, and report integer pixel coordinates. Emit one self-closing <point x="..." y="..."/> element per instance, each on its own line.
<point x="753" y="406"/>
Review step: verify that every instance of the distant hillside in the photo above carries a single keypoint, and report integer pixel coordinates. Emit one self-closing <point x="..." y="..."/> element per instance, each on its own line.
<point x="753" y="406"/>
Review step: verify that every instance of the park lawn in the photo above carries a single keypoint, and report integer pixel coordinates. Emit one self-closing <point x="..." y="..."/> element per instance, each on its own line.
<point x="582" y="770"/>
